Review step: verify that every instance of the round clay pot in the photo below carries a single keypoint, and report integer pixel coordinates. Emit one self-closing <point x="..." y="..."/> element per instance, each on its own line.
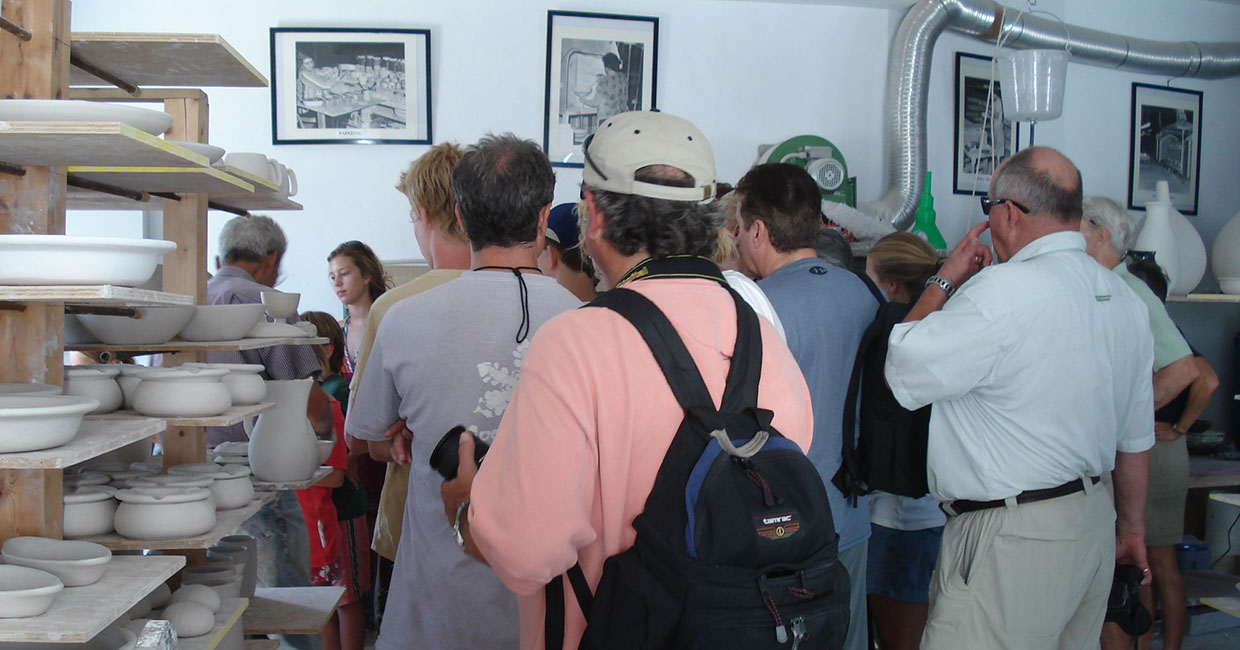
<point x="190" y="392"/>
<point x="95" y="383"/>
<point x="164" y="513"/>
<point x="231" y="487"/>
<point x="89" y="511"/>
<point x="244" y="384"/>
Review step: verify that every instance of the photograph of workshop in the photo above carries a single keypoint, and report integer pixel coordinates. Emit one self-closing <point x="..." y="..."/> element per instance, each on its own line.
<point x="1166" y="145"/>
<point x="597" y="66"/>
<point x="350" y="86"/>
<point x="983" y="137"/>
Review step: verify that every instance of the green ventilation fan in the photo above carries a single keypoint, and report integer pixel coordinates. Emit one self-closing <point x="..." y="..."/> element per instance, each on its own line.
<point x="821" y="159"/>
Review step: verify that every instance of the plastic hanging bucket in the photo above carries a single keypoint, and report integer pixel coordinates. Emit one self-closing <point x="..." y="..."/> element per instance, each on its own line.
<point x="1032" y="83"/>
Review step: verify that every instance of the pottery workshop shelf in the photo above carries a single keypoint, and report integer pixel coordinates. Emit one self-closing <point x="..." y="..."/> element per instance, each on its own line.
<point x="268" y="486"/>
<point x="79" y="613"/>
<point x="228" y="615"/>
<point x="1206" y="297"/>
<point x="257" y="202"/>
<point x="290" y="610"/>
<point x="96" y="294"/>
<point x="95" y="438"/>
<point x="233" y="415"/>
<point x="163" y="60"/>
<point x="189" y="346"/>
<point x="60" y="144"/>
<point x="163" y="179"/>
<point x="226" y="523"/>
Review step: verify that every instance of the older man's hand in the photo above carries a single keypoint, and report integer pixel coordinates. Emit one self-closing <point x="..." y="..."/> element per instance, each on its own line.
<point x="967" y="258"/>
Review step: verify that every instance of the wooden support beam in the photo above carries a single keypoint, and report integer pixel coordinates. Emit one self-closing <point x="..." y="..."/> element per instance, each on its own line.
<point x="148" y="94"/>
<point x="184" y="445"/>
<point x="31" y="503"/>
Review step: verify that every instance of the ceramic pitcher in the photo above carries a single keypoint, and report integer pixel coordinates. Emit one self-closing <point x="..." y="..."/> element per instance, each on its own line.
<point x="282" y="444"/>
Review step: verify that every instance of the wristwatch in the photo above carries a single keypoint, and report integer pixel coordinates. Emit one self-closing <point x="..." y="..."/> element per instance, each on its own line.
<point x="947" y="287"/>
<point x="456" y="524"/>
<point x="1175" y="428"/>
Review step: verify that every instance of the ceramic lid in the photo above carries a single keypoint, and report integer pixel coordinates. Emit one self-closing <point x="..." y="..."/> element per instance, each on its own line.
<point x="184" y="374"/>
<point x="233" y="449"/>
<point x="163" y="495"/>
<point x="172" y="480"/>
<point x="212" y="470"/>
<point x="86" y="478"/>
<point x="88" y="494"/>
<point x="237" y="368"/>
<point x="92" y="372"/>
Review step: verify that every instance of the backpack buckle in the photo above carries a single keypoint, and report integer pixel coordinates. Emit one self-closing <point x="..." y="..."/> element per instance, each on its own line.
<point x="746" y="450"/>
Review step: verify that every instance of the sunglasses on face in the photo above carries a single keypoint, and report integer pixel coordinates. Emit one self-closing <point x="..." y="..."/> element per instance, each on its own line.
<point x="988" y="203"/>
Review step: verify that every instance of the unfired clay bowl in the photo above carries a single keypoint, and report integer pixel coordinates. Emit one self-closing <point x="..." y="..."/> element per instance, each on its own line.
<point x="32" y="422"/>
<point x="25" y="591"/>
<point x="164" y="513"/>
<point x="222" y="322"/>
<point x="75" y="563"/>
<point x="281" y="306"/>
<point x="156" y="325"/>
<point x="187" y="393"/>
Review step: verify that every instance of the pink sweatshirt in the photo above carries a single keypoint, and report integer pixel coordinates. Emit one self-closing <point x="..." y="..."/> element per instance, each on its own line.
<point x="586" y="430"/>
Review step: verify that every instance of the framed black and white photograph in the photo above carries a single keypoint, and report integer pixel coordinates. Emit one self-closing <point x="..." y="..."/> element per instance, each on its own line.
<point x="598" y="65"/>
<point x="983" y="138"/>
<point x="1165" y="146"/>
<point x="350" y="86"/>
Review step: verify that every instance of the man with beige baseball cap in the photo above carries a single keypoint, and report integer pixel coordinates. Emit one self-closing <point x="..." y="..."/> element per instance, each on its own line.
<point x="592" y="416"/>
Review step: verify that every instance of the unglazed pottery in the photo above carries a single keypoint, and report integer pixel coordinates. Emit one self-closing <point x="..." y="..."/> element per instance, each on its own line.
<point x="89" y="511"/>
<point x="187" y="393"/>
<point x="222" y="322"/>
<point x="201" y="594"/>
<point x="80" y="110"/>
<point x="190" y="619"/>
<point x="95" y="383"/>
<point x="113" y="637"/>
<point x="161" y="595"/>
<point x="30" y="389"/>
<point x="249" y="578"/>
<point x="244" y="384"/>
<point x="156" y="325"/>
<point x="1225" y="253"/>
<point x="130" y="377"/>
<point x="26" y="592"/>
<point x="32" y="422"/>
<point x="209" y="151"/>
<point x="281" y="306"/>
<point x="62" y="259"/>
<point x="75" y="563"/>
<point x="164" y="513"/>
<point x="231" y="486"/>
<point x="282" y="444"/>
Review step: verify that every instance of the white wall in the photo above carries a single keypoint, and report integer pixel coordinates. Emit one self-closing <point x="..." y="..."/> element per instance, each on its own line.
<point x="745" y="72"/>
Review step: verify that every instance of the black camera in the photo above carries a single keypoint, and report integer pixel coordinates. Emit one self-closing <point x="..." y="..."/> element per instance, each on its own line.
<point x="1124" y="604"/>
<point x="445" y="459"/>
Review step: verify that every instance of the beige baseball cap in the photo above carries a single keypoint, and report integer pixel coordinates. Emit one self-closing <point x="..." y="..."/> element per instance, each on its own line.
<point x="630" y="141"/>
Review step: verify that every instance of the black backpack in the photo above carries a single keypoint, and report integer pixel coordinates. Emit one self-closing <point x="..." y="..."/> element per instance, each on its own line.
<point x="889" y="454"/>
<point x="736" y="547"/>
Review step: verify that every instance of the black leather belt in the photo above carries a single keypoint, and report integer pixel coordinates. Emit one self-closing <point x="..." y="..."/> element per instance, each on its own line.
<point x="961" y="506"/>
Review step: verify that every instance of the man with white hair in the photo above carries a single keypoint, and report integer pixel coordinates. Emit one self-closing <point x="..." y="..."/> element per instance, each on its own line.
<point x="1109" y="234"/>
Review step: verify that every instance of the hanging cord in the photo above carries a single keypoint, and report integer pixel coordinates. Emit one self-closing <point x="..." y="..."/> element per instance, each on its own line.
<point x="523" y="330"/>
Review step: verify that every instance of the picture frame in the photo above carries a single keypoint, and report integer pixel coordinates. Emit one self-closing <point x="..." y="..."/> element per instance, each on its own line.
<point x="342" y="85"/>
<point x="975" y="132"/>
<point x="1164" y="145"/>
<point x="597" y="65"/>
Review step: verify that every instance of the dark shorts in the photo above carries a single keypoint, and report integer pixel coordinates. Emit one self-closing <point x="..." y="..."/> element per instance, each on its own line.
<point x="901" y="562"/>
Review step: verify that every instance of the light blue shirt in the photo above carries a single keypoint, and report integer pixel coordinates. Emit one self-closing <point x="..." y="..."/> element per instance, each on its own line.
<point x="825" y="310"/>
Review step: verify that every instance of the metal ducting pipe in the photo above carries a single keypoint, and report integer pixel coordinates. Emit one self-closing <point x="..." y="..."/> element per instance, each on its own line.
<point x="908" y="73"/>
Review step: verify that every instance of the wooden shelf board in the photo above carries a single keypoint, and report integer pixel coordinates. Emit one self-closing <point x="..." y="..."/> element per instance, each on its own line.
<point x="228" y="615"/>
<point x="79" y="613"/>
<point x="163" y="179"/>
<point x="1205" y="297"/>
<point x="258" y="202"/>
<point x="94" y="439"/>
<point x="291" y="610"/>
<point x="261" y="185"/>
<point x="92" y="294"/>
<point x="60" y="144"/>
<point x="226" y="523"/>
<point x="230" y="417"/>
<point x="1225" y="604"/>
<point x="77" y="198"/>
<point x="1212" y="472"/>
<point x="179" y="346"/>
<point x="266" y="486"/>
<point x="262" y="644"/>
<point x="163" y="60"/>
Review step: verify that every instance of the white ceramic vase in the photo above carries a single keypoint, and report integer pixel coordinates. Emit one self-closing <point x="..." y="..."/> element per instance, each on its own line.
<point x="1184" y="258"/>
<point x="282" y="444"/>
<point x="1225" y="254"/>
<point x="1158" y="235"/>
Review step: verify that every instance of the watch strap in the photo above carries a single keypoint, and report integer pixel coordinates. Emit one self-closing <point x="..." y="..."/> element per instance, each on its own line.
<point x="947" y="287"/>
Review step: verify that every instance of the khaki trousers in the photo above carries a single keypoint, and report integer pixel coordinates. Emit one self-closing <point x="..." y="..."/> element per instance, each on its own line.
<point x="1024" y="577"/>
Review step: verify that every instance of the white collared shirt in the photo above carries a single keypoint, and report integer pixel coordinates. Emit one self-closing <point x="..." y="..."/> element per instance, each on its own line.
<point x="1039" y="369"/>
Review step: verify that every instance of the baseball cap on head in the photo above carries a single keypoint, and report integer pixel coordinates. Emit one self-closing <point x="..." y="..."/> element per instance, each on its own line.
<point x="628" y="142"/>
<point x="562" y="225"/>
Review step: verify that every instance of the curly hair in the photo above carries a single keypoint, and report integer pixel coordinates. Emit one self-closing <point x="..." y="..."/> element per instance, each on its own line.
<point x="658" y="226"/>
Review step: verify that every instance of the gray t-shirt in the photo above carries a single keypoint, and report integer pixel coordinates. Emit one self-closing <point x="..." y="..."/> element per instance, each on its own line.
<point x="825" y="310"/>
<point x="444" y="357"/>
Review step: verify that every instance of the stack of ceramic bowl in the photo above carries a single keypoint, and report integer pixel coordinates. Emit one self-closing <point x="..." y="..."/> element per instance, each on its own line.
<point x="97" y="382"/>
<point x="77" y="564"/>
<point x="239" y="551"/>
<point x="244" y="384"/>
<point x="33" y="422"/>
<point x="232" y="453"/>
<point x="225" y="578"/>
<point x="222" y="322"/>
<point x="182" y="392"/>
<point x="164" y="512"/>
<point x="230" y="484"/>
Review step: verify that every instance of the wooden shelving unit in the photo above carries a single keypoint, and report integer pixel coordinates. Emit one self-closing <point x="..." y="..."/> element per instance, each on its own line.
<point x="95" y="438"/>
<point x="102" y="294"/>
<point x="190" y="346"/>
<point x="233" y="415"/>
<point x="228" y="615"/>
<point x="79" y="613"/>
<point x="205" y="180"/>
<point x="226" y="523"/>
<point x="202" y="60"/>
<point x="87" y="143"/>
<point x="291" y="610"/>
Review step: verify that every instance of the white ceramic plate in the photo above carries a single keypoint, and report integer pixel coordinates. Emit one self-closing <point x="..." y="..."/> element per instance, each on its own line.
<point x="79" y="110"/>
<point x="61" y="259"/>
<point x="212" y="152"/>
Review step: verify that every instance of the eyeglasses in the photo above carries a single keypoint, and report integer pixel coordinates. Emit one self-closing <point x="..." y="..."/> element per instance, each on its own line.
<point x="988" y="203"/>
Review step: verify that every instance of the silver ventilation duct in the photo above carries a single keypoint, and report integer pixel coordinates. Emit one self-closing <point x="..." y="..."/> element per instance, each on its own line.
<point x="908" y="73"/>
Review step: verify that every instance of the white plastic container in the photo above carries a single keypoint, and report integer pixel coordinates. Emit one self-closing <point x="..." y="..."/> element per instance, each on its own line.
<point x="1032" y="83"/>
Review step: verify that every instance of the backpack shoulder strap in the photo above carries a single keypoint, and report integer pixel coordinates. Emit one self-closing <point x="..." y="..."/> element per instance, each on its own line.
<point x="850" y="478"/>
<point x="741" y="389"/>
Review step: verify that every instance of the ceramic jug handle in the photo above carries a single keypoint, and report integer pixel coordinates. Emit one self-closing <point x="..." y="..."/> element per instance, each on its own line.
<point x="292" y="179"/>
